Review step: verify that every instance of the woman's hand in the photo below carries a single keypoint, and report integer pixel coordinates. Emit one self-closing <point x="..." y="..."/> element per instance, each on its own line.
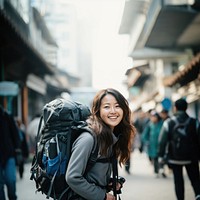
<point x="119" y="185"/>
<point x="110" y="196"/>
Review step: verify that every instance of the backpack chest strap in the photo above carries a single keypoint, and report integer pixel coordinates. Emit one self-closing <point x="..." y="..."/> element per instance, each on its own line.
<point x="104" y="160"/>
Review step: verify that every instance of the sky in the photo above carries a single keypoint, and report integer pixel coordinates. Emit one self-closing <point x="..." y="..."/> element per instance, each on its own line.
<point x="110" y="55"/>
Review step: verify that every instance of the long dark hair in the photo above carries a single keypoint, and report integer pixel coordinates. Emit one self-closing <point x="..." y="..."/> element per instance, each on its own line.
<point x="124" y="130"/>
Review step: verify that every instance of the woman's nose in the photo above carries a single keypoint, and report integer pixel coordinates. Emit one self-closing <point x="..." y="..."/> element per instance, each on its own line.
<point x="112" y="110"/>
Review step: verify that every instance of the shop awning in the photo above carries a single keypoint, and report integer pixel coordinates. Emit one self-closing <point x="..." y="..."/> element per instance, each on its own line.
<point x="138" y="75"/>
<point x="190" y="72"/>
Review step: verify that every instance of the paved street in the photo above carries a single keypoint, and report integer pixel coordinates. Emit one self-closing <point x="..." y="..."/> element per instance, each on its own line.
<point x="141" y="184"/>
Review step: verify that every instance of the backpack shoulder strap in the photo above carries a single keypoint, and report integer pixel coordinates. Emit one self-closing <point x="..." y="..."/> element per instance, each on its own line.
<point x="95" y="150"/>
<point x="173" y="121"/>
<point x="177" y="122"/>
<point x="187" y="121"/>
<point x="39" y="129"/>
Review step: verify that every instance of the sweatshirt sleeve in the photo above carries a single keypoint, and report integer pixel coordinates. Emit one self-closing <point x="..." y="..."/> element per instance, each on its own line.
<point x="81" y="151"/>
<point x="163" y="139"/>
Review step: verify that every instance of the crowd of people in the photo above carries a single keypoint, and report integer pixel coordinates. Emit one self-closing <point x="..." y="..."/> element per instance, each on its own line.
<point x="17" y="142"/>
<point x="170" y="142"/>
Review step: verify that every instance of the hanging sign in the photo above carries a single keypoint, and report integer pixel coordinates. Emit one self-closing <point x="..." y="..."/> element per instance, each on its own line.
<point x="8" y="88"/>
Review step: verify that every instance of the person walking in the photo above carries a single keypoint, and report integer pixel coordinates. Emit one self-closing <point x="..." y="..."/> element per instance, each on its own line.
<point x="31" y="131"/>
<point x="23" y="146"/>
<point x="111" y="123"/>
<point x="179" y="142"/>
<point x="10" y="152"/>
<point x="150" y="137"/>
<point x="140" y="123"/>
<point x="164" y="114"/>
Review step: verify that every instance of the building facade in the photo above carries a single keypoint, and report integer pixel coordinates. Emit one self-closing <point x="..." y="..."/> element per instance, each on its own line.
<point x="164" y="34"/>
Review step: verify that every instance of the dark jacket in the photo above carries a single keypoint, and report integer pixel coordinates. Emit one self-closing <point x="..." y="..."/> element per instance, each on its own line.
<point x="24" y="144"/>
<point x="166" y="136"/>
<point x="10" y="141"/>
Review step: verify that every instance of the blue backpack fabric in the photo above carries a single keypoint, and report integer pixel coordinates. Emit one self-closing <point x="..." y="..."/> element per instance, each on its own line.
<point x="61" y="123"/>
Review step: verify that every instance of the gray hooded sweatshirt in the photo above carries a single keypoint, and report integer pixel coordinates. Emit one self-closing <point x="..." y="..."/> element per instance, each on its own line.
<point x="90" y="187"/>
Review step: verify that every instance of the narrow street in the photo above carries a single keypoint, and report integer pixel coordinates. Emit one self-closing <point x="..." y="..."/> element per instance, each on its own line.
<point x="147" y="50"/>
<point x="141" y="184"/>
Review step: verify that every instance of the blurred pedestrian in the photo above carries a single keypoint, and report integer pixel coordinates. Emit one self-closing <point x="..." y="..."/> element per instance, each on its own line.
<point x="32" y="129"/>
<point x="10" y="152"/>
<point x="128" y="162"/>
<point x="135" y="143"/>
<point x="150" y="137"/>
<point x="23" y="146"/>
<point x="164" y="114"/>
<point x="178" y="142"/>
<point x="140" y="123"/>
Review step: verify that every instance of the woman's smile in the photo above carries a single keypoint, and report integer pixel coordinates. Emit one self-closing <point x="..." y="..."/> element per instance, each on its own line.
<point x="110" y="111"/>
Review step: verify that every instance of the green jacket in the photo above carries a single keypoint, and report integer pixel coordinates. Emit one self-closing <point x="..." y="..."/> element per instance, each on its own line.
<point x="150" y="138"/>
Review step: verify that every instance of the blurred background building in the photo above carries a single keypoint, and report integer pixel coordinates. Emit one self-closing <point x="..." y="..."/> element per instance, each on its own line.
<point x="41" y="54"/>
<point x="164" y="45"/>
<point x="46" y="51"/>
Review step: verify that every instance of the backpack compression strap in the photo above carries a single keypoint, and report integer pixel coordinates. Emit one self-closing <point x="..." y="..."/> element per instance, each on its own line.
<point x="186" y="122"/>
<point x="38" y="132"/>
<point x="174" y="123"/>
<point x="35" y="158"/>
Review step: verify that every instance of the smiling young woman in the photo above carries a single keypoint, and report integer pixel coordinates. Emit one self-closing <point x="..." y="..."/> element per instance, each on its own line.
<point x="110" y="121"/>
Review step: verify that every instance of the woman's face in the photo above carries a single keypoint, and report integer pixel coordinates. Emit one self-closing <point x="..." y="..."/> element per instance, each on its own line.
<point x="110" y="111"/>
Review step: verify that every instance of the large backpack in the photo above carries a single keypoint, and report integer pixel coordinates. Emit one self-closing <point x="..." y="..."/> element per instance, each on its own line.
<point x="61" y="123"/>
<point x="181" y="140"/>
